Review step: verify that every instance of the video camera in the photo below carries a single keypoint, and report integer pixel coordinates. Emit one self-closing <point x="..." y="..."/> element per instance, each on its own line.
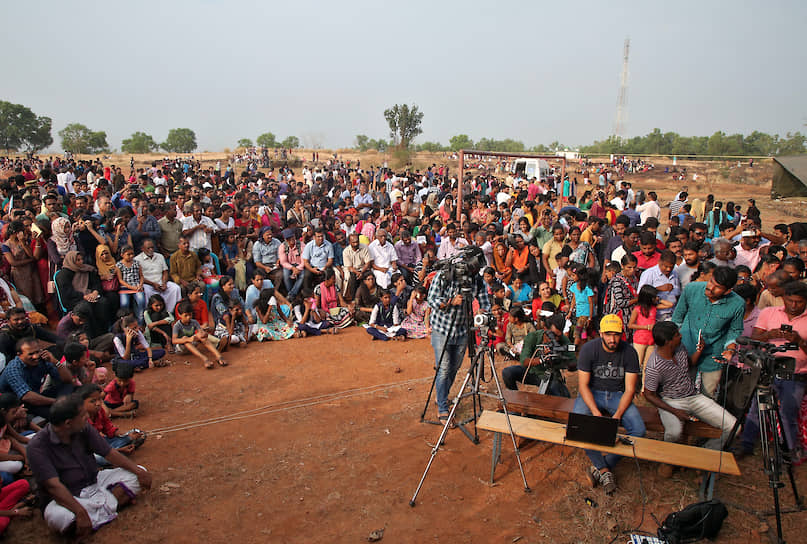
<point x="760" y="355"/>
<point x="464" y="267"/>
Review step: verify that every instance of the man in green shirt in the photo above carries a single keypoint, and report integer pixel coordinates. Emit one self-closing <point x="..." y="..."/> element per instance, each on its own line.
<point x="711" y="310"/>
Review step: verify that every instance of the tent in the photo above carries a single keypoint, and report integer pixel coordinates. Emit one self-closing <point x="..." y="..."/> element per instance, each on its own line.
<point x="789" y="176"/>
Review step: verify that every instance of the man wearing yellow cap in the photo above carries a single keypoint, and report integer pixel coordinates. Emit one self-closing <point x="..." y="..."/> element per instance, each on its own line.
<point x="608" y="377"/>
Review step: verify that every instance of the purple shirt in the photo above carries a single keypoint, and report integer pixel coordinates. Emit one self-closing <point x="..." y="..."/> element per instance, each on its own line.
<point x="73" y="464"/>
<point x="408" y="255"/>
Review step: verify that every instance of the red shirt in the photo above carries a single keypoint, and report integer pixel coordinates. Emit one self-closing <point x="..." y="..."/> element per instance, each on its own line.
<point x="646" y="262"/>
<point x="115" y="393"/>
<point x="103" y="424"/>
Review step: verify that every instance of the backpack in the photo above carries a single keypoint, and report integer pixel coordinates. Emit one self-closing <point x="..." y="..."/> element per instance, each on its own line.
<point x="696" y="521"/>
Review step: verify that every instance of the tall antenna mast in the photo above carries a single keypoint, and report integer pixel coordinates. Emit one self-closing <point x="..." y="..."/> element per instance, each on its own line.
<point x="622" y="99"/>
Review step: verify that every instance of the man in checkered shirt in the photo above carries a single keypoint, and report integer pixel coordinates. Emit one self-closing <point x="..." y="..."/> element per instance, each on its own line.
<point x="450" y="331"/>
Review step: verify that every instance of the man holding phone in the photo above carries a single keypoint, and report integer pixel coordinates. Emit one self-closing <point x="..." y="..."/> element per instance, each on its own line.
<point x="779" y="325"/>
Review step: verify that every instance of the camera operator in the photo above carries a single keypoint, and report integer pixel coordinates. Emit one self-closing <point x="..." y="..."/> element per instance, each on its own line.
<point x="556" y="350"/>
<point x="779" y="325"/>
<point x="450" y="325"/>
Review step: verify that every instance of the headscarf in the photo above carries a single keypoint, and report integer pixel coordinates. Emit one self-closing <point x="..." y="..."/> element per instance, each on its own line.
<point x="81" y="272"/>
<point x="64" y="242"/>
<point x="105" y="266"/>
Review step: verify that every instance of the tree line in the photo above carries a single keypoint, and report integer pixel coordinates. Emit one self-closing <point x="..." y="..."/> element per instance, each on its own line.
<point x="267" y="139"/>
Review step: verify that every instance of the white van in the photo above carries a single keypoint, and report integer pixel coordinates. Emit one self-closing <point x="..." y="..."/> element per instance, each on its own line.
<point x="531" y="168"/>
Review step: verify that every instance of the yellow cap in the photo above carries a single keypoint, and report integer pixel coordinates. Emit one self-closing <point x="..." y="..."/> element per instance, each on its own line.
<point x="611" y="323"/>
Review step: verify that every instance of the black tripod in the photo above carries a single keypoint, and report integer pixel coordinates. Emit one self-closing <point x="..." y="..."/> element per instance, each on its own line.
<point x="776" y="454"/>
<point x="471" y="388"/>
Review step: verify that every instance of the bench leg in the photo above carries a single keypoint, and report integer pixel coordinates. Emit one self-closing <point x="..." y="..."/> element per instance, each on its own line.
<point x="707" y="489"/>
<point x="495" y="454"/>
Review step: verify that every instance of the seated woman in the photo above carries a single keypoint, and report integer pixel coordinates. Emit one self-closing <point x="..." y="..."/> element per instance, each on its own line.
<point x="132" y="348"/>
<point x="520" y="292"/>
<point x="308" y="318"/>
<point x="416" y="322"/>
<point x="544" y="293"/>
<point x="367" y="296"/>
<point x="77" y="281"/>
<point x="331" y="301"/>
<point x="158" y="323"/>
<point x="503" y="271"/>
<point x="108" y="272"/>
<point x="518" y="327"/>
<point x="131" y="283"/>
<point x="385" y="320"/>
<point x="271" y="324"/>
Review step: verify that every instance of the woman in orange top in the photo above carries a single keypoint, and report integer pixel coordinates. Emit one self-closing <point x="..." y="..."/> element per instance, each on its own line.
<point x="518" y="258"/>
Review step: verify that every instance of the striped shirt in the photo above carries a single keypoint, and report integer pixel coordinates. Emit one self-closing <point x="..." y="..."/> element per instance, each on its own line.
<point x="670" y="379"/>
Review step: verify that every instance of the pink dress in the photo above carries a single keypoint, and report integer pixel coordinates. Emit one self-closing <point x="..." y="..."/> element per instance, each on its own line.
<point x="643" y="336"/>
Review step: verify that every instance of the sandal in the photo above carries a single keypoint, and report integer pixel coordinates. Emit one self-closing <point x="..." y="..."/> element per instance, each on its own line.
<point x="443" y="418"/>
<point x="222" y="362"/>
<point x="209" y="365"/>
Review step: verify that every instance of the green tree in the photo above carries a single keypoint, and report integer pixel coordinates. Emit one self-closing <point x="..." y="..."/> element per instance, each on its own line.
<point x="180" y="140"/>
<point x="20" y="128"/>
<point x="267" y="139"/>
<point x="77" y="138"/>
<point x="139" y="142"/>
<point x="362" y="142"/>
<point x="380" y="145"/>
<point x="292" y="142"/>
<point x="460" y="141"/>
<point x="244" y="142"/>
<point x="404" y="123"/>
<point x="793" y="144"/>
<point x="431" y="146"/>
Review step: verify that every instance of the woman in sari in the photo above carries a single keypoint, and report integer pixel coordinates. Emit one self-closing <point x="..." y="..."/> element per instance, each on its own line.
<point x="18" y="254"/>
<point x="503" y="270"/>
<point x="330" y="302"/>
<point x="78" y="281"/>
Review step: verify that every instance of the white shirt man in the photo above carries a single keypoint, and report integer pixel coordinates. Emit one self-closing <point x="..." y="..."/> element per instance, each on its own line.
<point x="204" y="227"/>
<point x="649" y="209"/>
<point x="155" y="276"/>
<point x="385" y="258"/>
<point x="619" y="203"/>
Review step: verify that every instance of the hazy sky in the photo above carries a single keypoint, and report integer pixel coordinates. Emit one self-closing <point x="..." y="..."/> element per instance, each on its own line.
<point x="324" y="71"/>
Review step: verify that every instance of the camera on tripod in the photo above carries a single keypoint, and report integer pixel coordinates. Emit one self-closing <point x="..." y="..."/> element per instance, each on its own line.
<point x="463" y="268"/>
<point x="760" y="355"/>
<point x="485" y="322"/>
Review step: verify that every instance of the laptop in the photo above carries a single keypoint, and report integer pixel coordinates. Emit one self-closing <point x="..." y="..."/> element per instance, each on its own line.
<point x="592" y="429"/>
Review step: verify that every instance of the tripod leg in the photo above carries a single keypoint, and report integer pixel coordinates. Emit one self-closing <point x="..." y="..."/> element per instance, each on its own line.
<point x="442" y="435"/>
<point x="507" y="418"/>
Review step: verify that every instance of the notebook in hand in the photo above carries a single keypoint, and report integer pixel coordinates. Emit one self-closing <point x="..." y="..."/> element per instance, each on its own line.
<point x="592" y="429"/>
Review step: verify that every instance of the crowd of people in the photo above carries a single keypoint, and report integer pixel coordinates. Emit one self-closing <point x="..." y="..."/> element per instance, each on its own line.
<point x="105" y="274"/>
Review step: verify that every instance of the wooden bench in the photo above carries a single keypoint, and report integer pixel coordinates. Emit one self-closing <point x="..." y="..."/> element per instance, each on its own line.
<point x="557" y="409"/>
<point x="644" y="448"/>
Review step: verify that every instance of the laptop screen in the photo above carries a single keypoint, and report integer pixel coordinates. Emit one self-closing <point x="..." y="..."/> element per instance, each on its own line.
<point x="592" y="429"/>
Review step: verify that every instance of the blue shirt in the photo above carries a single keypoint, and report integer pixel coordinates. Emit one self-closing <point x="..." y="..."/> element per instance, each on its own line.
<point x="317" y="256"/>
<point x="19" y="378"/>
<point x="720" y="322"/>
<point x="581" y="299"/>
<point x="337" y="255"/>
<point x="653" y="276"/>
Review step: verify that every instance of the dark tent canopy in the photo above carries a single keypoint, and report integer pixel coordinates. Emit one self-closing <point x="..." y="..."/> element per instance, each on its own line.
<point x="789" y="176"/>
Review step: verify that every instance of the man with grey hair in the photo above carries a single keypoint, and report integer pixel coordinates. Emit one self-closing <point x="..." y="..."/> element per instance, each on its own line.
<point x="385" y="258"/>
<point x="722" y="249"/>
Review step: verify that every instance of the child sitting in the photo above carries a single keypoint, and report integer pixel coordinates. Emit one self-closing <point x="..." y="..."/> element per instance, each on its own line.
<point x="309" y="320"/>
<point x="158" y="323"/>
<point x="189" y="337"/>
<point x="132" y="347"/>
<point x="385" y="320"/>
<point x="233" y="327"/>
<point x="119" y="393"/>
<point x="76" y="358"/>
<point x="199" y="309"/>
<point x="518" y="327"/>
<point x="97" y="416"/>
<point x="12" y="444"/>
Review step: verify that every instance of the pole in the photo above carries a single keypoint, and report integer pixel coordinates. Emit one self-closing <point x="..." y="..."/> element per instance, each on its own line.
<point x="460" y="177"/>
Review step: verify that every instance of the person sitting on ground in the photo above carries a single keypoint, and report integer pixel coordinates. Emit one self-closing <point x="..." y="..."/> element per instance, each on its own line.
<point x="330" y="301"/>
<point x="271" y="322"/>
<point x="518" y="327"/>
<point x="76" y="321"/>
<point x="25" y="375"/>
<point x="188" y="336"/>
<point x="119" y="392"/>
<point x="669" y="387"/>
<point x="308" y="318"/>
<point x="78" y="497"/>
<point x="13" y="502"/>
<point x="220" y="307"/>
<point x="533" y="374"/>
<point x="132" y="347"/>
<point x="233" y="328"/>
<point x="12" y="444"/>
<point x="608" y="375"/>
<point x="367" y="296"/>
<point x="125" y="443"/>
<point x="385" y="320"/>
<point x="416" y="321"/>
<point x="198" y="307"/>
<point x="158" y="322"/>
<point x="76" y="357"/>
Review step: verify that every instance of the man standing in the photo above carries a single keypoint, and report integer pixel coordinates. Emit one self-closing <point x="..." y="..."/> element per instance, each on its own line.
<point x="450" y="329"/>
<point x="79" y="497"/>
<point x="144" y="227"/>
<point x="686" y="269"/>
<point x="317" y="256"/>
<point x="608" y="375"/>
<point x="25" y="375"/>
<point x="356" y="261"/>
<point x="155" y="276"/>
<point x="385" y="258"/>
<point x="650" y="208"/>
<point x="669" y="387"/>
<point x="778" y="325"/>
<point x="665" y="279"/>
<point x="170" y="229"/>
<point x="198" y="229"/>
<point x="711" y="311"/>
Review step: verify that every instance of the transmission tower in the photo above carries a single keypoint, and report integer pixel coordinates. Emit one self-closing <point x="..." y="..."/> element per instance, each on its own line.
<point x="622" y="99"/>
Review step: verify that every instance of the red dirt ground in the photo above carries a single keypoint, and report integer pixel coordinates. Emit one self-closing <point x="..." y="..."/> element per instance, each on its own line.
<point x="336" y="468"/>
